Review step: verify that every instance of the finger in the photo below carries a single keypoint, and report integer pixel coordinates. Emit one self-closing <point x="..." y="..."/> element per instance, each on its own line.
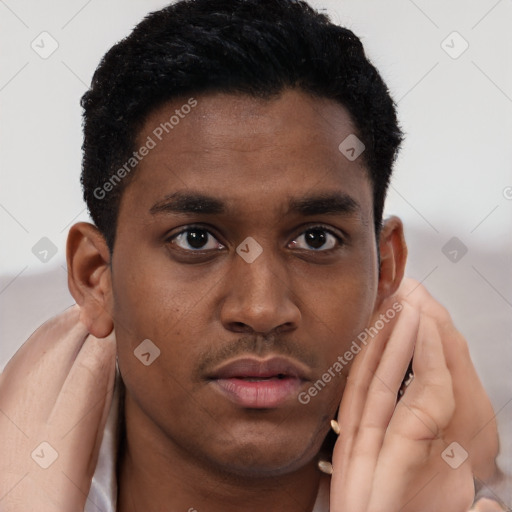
<point x="411" y="475"/>
<point x="364" y="371"/>
<point x="413" y="443"/>
<point x="417" y="295"/>
<point x="388" y="377"/>
<point x="351" y="411"/>
<point x="72" y="434"/>
<point x="364" y="365"/>
<point x="475" y="418"/>
<point x="78" y="417"/>
<point x="358" y="382"/>
<point x="378" y="409"/>
<point x="32" y="379"/>
<point x="43" y="338"/>
<point x="428" y="403"/>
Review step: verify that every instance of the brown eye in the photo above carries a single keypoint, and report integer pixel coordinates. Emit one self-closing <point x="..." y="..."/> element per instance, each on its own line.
<point x="198" y="239"/>
<point x="317" y="239"/>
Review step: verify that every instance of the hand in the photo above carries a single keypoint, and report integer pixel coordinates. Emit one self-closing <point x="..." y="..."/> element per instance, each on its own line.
<point x="57" y="390"/>
<point x="388" y="457"/>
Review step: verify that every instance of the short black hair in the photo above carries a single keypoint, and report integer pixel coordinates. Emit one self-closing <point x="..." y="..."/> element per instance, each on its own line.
<point x="254" y="47"/>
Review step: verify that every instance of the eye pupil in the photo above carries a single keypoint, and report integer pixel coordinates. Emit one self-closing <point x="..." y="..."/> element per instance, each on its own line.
<point x="197" y="238"/>
<point x="315" y="238"/>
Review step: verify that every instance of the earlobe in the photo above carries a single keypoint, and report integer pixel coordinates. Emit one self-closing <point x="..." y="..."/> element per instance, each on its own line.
<point x="89" y="277"/>
<point x="393" y="257"/>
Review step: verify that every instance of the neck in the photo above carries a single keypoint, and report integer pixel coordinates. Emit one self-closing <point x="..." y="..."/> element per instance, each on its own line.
<point x="155" y="474"/>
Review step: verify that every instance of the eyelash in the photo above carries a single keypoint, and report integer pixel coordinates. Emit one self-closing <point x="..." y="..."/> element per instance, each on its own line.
<point x="339" y="239"/>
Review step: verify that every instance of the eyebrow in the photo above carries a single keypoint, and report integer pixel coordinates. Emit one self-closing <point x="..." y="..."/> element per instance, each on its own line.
<point x="308" y="205"/>
<point x="186" y="202"/>
<point x="324" y="203"/>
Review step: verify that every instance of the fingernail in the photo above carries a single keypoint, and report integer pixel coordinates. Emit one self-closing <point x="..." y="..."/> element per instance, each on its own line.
<point x="335" y="426"/>
<point x="325" y="467"/>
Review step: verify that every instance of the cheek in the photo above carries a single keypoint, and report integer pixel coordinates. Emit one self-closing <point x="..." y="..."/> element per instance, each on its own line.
<point x="151" y="296"/>
<point x="336" y="313"/>
<point x="150" y="316"/>
<point x="351" y="307"/>
<point x="341" y="299"/>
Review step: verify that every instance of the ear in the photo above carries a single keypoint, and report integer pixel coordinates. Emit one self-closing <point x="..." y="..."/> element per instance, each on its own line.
<point x="393" y="256"/>
<point x="89" y="277"/>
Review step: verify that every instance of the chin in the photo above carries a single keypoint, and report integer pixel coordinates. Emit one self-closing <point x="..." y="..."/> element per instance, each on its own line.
<point x="264" y="461"/>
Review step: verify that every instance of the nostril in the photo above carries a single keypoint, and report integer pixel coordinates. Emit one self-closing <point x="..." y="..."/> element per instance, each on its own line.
<point x="240" y="327"/>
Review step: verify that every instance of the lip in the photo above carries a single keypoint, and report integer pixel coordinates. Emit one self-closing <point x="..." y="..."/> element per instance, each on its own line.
<point x="259" y="383"/>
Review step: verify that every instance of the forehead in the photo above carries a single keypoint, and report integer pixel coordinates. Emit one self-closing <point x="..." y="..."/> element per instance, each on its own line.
<point x="247" y="150"/>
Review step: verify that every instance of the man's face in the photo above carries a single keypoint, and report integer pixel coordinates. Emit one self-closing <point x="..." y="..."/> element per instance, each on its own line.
<point x="270" y="171"/>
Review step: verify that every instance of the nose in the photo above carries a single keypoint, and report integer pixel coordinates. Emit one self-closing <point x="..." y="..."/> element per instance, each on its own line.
<point x="259" y="297"/>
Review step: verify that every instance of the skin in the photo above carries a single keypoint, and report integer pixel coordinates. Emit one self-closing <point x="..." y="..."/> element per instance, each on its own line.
<point x="188" y="448"/>
<point x="56" y="390"/>
<point x="394" y="456"/>
<point x="255" y="156"/>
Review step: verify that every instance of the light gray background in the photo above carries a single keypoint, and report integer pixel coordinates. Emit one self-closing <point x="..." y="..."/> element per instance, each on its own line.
<point x="453" y="177"/>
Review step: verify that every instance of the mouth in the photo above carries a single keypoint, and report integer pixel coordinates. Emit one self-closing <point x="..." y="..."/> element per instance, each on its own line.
<point x="260" y="384"/>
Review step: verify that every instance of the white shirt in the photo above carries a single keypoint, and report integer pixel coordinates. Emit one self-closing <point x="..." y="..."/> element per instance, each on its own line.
<point x="103" y="494"/>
